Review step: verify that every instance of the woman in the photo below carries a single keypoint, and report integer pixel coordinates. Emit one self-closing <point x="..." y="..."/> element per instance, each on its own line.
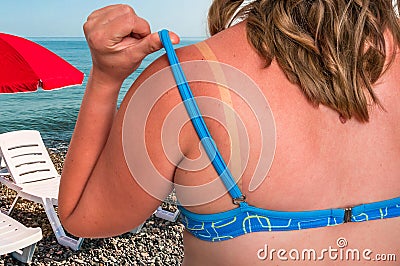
<point x="328" y="72"/>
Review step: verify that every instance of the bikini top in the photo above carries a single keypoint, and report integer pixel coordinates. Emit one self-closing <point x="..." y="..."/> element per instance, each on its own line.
<point x="246" y="218"/>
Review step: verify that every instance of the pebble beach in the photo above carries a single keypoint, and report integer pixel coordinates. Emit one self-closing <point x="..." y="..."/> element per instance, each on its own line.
<point x="159" y="242"/>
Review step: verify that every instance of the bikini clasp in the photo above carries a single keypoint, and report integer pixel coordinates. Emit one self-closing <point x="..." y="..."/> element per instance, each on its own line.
<point x="347" y="215"/>
<point x="239" y="200"/>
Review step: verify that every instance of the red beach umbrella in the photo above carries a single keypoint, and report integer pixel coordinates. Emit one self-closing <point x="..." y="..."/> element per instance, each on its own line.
<point x="26" y="65"/>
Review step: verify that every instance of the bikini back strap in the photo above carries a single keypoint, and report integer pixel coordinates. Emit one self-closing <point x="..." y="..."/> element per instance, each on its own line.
<point x="198" y="122"/>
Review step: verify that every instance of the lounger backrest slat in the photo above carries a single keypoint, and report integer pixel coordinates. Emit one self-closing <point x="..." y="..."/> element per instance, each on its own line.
<point x="26" y="156"/>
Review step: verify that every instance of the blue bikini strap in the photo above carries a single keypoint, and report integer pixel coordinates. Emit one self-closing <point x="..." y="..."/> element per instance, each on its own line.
<point x="198" y="121"/>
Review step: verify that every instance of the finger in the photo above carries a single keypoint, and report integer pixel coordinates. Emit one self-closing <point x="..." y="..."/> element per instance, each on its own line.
<point x="140" y="27"/>
<point x="173" y="36"/>
<point x="127" y="22"/>
<point x="120" y="19"/>
<point x="105" y="11"/>
<point x="126" y="25"/>
<point x="116" y="24"/>
<point x="152" y="43"/>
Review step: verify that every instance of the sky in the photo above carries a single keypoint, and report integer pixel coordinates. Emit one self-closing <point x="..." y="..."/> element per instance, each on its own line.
<point x="64" y="18"/>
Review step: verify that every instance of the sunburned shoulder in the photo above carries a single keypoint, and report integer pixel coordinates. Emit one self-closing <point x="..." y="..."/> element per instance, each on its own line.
<point x="221" y="44"/>
<point x="184" y="54"/>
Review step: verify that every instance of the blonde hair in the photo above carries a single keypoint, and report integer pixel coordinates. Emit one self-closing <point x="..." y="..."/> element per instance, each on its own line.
<point x="333" y="49"/>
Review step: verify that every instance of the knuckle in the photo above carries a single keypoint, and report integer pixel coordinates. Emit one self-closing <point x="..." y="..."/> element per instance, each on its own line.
<point x="86" y="27"/>
<point x="155" y="43"/>
<point x="94" y="39"/>
<point x="153" y="47"/>
<point x="131" y="17"/>
<point x="126" y="9"/>
<point x="92" y="15"/>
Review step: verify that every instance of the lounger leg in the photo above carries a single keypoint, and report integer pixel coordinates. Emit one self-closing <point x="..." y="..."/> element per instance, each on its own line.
<point x="25" y="255"/>
<point x="13" y="204"/>
<point x="137" y="229"/>
<point x="58" y="230"/>
<point x="167" y="215"/>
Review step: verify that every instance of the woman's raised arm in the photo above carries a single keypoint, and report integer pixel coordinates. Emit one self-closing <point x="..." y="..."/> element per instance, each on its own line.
<point x="96" y="185"/>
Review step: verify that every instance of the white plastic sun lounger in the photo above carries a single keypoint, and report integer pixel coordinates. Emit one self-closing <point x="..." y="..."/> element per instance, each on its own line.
<point x="17" y="239"/>
<point x="33" y="176"/>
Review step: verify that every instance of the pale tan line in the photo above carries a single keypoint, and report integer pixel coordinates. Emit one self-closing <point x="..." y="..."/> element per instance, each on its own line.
<point x="231" y="123"/>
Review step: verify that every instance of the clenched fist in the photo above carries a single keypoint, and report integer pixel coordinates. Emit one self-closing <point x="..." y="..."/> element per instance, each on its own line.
<point x="119" y="40"/>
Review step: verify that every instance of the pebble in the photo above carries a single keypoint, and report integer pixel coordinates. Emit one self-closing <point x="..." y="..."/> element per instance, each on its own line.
<point x="158" y="243"/>
<point x="79" y="261"/>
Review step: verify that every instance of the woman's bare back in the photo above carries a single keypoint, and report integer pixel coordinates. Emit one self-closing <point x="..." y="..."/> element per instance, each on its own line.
<point x="320" y="162"/>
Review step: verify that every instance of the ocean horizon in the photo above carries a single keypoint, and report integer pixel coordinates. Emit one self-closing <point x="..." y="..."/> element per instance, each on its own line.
<point x="53" y="113"/>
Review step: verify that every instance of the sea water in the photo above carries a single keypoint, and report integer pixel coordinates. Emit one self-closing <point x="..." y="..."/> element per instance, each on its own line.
<point x="54" y="113"/>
